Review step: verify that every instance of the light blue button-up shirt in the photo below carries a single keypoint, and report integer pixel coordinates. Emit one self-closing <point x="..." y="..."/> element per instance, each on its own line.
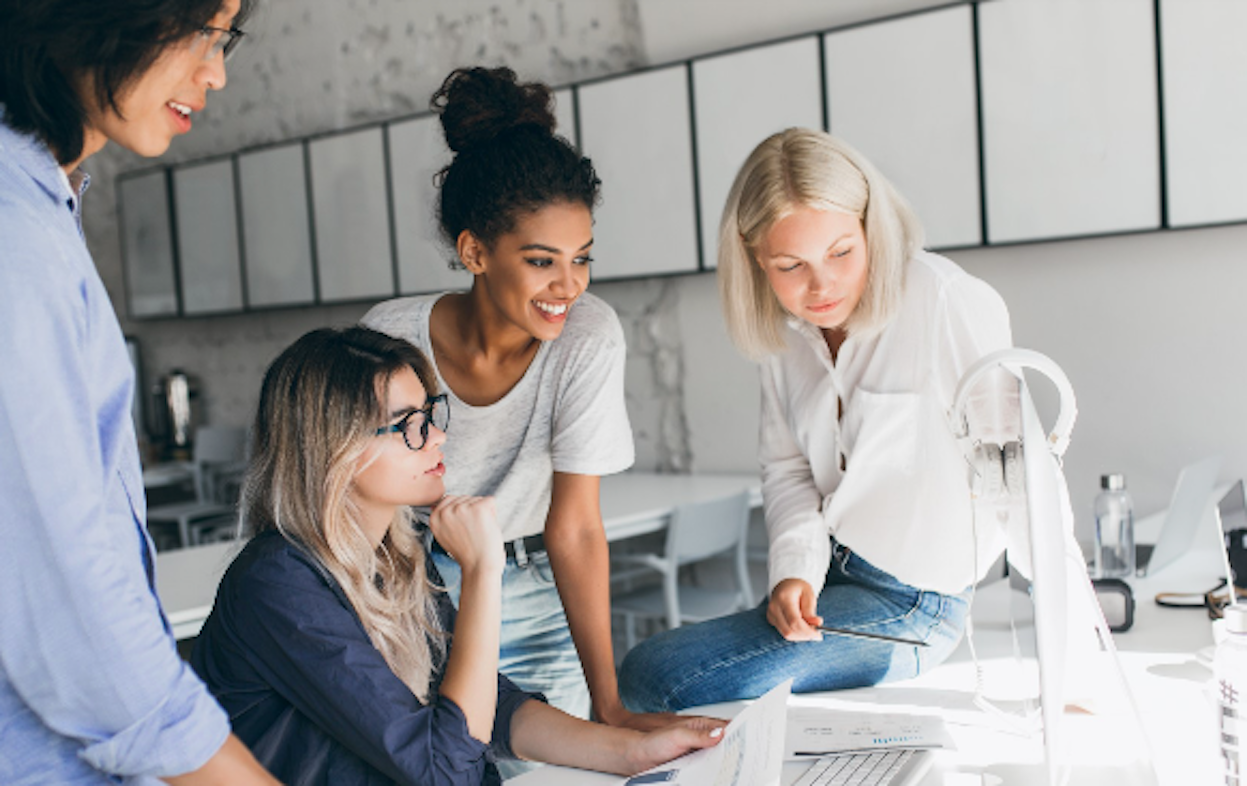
<point x="91" y="687"/>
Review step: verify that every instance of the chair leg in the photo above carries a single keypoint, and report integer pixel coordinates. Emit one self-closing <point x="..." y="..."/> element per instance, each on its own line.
<point x="184" y="532"/>
<point x="742" y="575"/>
<point x="629" y="630"/>
<point x="671" y="594"/>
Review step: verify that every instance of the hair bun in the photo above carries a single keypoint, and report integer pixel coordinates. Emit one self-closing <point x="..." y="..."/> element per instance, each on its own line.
<point x="477" y="104"/>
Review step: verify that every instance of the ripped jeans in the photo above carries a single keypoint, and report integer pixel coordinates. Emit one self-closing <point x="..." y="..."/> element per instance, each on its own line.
<point x="741" y="656"/>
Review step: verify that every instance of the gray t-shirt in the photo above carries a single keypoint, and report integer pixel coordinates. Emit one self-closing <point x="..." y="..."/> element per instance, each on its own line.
<point x="566" y="414"/>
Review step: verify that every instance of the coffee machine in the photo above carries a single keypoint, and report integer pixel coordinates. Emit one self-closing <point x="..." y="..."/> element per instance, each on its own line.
<point x="176" y="413"/>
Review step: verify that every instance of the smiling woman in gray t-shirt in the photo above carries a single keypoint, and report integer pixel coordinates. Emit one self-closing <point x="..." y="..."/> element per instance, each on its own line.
<point x="565" y="414"/>
<point x="534" y="369"/>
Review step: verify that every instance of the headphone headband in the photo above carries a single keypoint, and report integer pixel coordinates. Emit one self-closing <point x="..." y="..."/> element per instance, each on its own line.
<point x="1013" y="361"/>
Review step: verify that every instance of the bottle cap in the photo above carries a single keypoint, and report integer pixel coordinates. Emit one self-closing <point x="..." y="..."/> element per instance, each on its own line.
<point x="1113" y="482"/>
<point x="1235" y="618"/>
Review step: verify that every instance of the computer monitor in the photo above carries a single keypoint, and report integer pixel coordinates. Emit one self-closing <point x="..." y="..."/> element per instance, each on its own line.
<point x="1048" y="521"/>
<point x="1042" y="549"/>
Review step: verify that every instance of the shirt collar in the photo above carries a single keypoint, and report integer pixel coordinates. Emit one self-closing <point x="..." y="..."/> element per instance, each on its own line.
<point x="34" y="157"/>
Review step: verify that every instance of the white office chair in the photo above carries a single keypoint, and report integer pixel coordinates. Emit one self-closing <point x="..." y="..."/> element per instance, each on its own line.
<point x="697" y="532"/>
<point x="219" y="457"/>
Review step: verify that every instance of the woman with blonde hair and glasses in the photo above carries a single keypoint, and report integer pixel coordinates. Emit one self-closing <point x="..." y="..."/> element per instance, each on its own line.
<point x="332" y="644"/>
<point x="861" y="338"/>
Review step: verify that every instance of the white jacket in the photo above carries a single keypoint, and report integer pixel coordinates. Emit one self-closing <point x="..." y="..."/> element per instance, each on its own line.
<point x="902" y="501"/>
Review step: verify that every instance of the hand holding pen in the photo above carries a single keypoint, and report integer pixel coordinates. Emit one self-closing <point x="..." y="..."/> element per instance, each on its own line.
<point x="792" y="612"/>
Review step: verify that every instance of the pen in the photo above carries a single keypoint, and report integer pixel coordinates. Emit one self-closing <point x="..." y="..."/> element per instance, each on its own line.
<point x="878" y="636"/>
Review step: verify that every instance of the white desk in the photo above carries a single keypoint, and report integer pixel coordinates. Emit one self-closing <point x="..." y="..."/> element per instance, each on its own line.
<point x="633" y="503"/>
<point x="186" y="582"/>
<point x="1158" y="658"/>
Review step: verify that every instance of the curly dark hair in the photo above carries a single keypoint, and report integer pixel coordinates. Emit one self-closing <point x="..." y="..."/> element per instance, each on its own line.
<point x="508" y="160"/>
<point x="47" y="47"/>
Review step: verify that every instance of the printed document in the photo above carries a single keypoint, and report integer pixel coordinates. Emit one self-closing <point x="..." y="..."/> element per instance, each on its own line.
<point x="751" y="752"/>
<point x="814" y="731"/>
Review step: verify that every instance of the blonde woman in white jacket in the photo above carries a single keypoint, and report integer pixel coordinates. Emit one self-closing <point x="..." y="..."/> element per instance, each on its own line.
<point x="861" y="338"/>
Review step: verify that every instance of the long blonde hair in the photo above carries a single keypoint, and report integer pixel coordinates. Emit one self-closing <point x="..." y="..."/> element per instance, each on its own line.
<point x="319" y="409"/>
<point x="804" y="168"/>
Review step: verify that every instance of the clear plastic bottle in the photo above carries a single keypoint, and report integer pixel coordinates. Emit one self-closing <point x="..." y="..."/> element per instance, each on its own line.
<point x="1114" y="529"/>
<point x="1230" y="672"/>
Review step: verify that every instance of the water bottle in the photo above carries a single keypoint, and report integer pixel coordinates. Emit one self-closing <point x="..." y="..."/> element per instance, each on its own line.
<point x="1230" y="675"/>
<point x="1114" y="529"/>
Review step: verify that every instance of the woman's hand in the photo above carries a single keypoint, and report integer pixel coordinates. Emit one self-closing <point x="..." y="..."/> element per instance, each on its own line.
<point x="792" y="611"/>
<point x="467" y="528"/>
<point x="665" y="744"/>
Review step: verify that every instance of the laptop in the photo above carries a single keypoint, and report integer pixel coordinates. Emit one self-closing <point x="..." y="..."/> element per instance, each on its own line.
<point x="1232" y="521"/>
<point x="1191" y="498"/>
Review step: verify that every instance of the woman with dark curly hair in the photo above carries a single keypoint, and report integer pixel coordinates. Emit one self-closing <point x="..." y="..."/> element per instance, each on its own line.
<point x="533" y="366"/>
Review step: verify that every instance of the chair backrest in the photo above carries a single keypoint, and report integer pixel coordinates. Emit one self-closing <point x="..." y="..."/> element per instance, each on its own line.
<point x="220" y="451"/>
<point x="220" y="444"/>
<point x="703" y="529"/>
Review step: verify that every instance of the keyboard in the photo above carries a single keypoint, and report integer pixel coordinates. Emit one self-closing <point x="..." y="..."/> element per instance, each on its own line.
<point x="903" y="767"/>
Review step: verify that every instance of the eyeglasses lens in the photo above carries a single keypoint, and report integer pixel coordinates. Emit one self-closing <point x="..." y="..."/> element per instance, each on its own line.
<point x="217" y="41"/>
<point x="416" y="425"/>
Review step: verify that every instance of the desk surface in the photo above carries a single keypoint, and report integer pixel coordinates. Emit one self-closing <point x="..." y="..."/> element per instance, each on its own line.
<point x="633" y="503"/>
<point x="1158" y="658"/>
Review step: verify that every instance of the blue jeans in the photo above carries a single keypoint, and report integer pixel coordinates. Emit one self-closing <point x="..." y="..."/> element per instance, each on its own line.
<point x="742" y="656"/>
<point x="537" y="649"/>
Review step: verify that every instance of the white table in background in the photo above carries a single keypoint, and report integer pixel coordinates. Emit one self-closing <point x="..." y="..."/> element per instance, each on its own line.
<point x="633" y="503"/>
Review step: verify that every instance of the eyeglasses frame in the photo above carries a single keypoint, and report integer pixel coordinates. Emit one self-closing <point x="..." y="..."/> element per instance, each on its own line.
<point x="228" y="48"/>
<point x="403" y="426"/>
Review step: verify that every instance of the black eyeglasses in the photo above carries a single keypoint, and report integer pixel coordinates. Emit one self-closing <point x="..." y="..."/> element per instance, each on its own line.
<point x="217" y="41"/>
<point x="436" y="411"/>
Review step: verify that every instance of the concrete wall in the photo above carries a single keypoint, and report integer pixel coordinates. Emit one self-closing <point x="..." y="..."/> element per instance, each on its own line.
<point x="308" y="67"/>
<point x="1148" y="327"/>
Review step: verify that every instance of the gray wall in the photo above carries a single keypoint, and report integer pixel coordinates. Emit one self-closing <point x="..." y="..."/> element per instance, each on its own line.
<point x="1146" y="326"/>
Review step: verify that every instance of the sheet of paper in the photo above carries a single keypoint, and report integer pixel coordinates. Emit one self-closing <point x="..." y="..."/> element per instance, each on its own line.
<point x="751" y="753"/>
<point x="814" y="731"/>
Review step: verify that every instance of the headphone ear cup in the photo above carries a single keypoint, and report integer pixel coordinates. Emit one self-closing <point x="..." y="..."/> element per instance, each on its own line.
<point x="1014" y="470"/>
<point x="988" y="481"/>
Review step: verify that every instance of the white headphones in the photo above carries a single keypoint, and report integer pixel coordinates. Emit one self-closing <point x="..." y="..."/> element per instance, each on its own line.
<point x="997" y="472"/>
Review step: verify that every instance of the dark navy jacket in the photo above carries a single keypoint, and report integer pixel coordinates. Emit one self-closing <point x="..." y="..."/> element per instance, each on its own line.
<point x="305" y="689"/>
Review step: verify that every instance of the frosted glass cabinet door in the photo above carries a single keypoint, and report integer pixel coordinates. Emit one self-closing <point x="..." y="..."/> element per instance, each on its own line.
<point x="740" y="99"/>
<point x="1204" y="64"/>
<point x="1070" y="117"/>
<point x="147" y="245"/>
<point x="350" y="208"/>
<point x="275" y="227"/>
<point x="565" y="114"/>
<point x="636" y="130"/>
<point x="417" y="153"/>
<point x="207" y="237"/>
<point x="903" y="94"/>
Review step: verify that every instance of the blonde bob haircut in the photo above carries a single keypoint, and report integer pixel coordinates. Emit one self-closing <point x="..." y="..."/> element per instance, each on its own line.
<point x="804" y="168"/>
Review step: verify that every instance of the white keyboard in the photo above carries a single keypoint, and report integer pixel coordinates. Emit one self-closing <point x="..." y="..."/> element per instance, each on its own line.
<point x="877" y="768"/>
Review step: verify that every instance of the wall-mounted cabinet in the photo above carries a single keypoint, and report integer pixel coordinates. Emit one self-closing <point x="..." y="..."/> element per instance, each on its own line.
<point x="740" y="99"/>
<point x="1205" y="97"/>
<point x="636" y="130"/>
<point x="1000" y="122"/>
<point x="417" y="153"/>
<point x="565" y="114"/>
<point x="904" y="94"/>
<point x="351" y="216"/>
<point x="277" y="234"/>
<point x="147" y="245"/>
<point x="207" y="238"/>
<point x="1070" y="118"/>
